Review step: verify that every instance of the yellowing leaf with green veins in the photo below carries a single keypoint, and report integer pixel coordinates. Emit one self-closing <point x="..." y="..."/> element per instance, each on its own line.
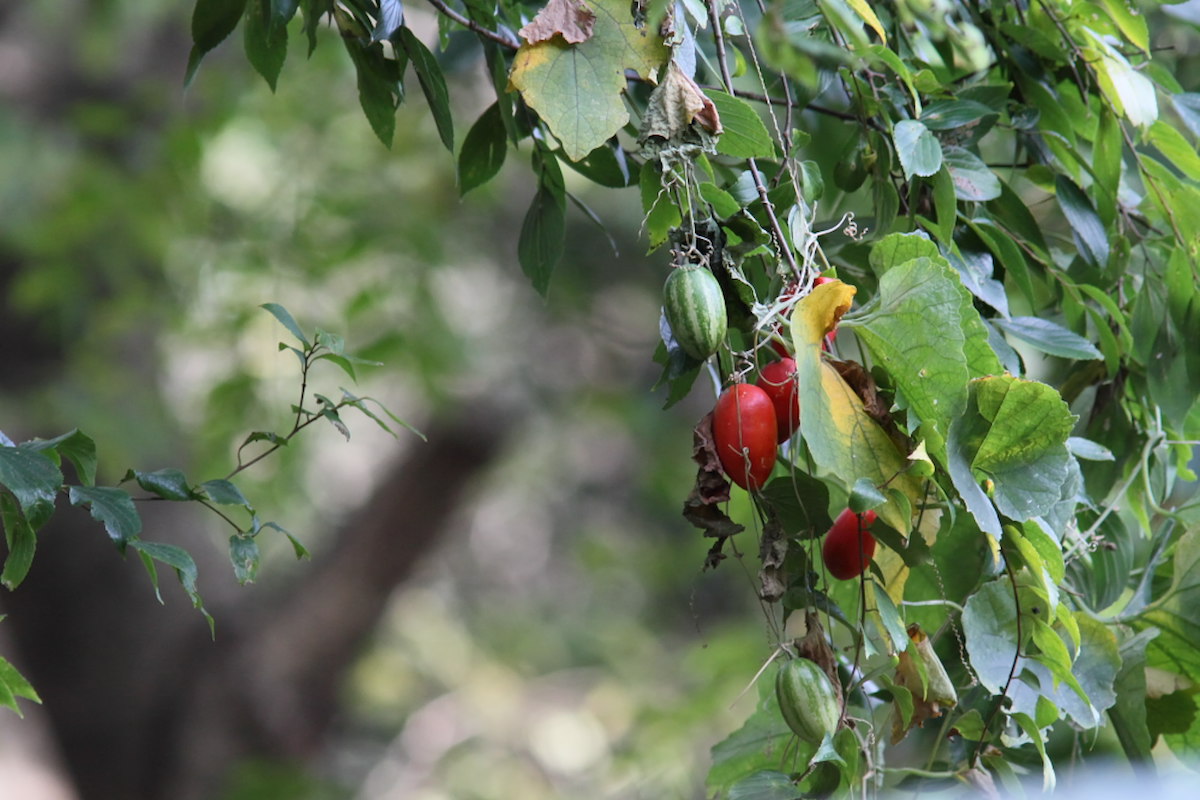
<point x="843" y="439"/>
<point x="576" y="88"/>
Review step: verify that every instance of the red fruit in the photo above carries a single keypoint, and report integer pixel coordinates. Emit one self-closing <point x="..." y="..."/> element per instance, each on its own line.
<point x="744" y="432"/>
<point x="849" y="545"/>
<point x="778" y="380"/>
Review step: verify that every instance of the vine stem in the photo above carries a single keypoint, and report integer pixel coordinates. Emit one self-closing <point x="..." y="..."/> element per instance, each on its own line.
<point x="755" y="172"/>
<point x="1012" y="671"/>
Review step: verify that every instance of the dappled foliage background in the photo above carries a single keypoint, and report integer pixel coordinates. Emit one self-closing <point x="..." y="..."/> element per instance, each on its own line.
<point x="561" y="641"/>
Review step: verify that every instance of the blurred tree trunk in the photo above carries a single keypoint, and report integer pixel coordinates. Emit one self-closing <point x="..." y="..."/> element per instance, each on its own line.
<point x="144" y="705"/>
<point x="140" y="702"/>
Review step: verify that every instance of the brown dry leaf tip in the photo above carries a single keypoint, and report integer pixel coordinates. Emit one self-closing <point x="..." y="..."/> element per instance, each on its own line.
<point x="772" y="551"/>
<point x="815" y="647"/>
<point x="570" y="19"/>
<point x="859" y="380"/>
<point x="675" y="104"/>
<point x="932" y="690"/>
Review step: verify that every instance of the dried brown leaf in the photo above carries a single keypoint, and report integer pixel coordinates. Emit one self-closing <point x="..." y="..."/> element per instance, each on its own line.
<point x="570" y="19"/>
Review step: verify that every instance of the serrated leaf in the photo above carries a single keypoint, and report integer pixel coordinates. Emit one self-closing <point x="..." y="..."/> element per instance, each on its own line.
<point x="576" y="88"/>
<point x="244" y="555"/>
<point x="224" y="492"/>
<point x="285" y="318"/>
<point x="433" y="84"/>
<point x="21" y="540"/>
<point x="973" y="179"/>
<point x="1049" y="337"/>
<point x="744" y="135"/>
<point x="169" y="484"/>
<point x="919" y="151"/>
<point x="113" y="507"/>
<point x="483" y="150"/>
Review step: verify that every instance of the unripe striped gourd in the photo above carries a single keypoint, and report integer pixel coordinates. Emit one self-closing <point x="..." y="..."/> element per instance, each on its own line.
<point x="808" y="699"/>
<point x="695" y="309"/>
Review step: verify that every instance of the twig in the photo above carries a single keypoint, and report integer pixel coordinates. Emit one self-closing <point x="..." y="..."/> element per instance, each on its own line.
<point x="499" y="38"/>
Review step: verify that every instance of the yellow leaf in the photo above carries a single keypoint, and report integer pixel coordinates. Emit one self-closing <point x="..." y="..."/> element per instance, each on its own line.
<point x="868" y="16"/>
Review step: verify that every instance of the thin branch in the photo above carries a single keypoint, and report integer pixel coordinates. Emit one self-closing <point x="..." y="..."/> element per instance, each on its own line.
<point x="503" y="39"/>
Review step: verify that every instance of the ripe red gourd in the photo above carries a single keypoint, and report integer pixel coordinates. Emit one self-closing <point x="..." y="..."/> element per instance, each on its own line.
<point x="849" y="546"/>
<point x="778" y="380"/>
<point x="744" y="432"/>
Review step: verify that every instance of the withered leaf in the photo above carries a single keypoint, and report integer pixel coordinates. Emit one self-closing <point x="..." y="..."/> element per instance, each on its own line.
<point x="857" y="377"/>
<point x="570" y="19"/>
<point x="772" y="551"/>
<point x="932" y="690"/>
<point x="675" y="104"/>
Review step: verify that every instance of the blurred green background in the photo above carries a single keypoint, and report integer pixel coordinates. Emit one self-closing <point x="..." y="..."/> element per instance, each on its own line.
<point x="555" y="636"/>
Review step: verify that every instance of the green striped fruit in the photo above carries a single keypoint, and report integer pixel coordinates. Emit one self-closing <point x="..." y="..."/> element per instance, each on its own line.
<point x="808" y="699"/>
<point x="695" y="309"/>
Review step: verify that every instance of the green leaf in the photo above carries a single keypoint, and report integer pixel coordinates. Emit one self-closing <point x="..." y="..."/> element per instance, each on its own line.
<point x="961" y="441"/>
<point x="379" y="87"/>
<point x="1024" y="450"/>
<point x="265" y="43"/>
<point x="543" y="233"/>
<point x="973" y="179"/>
<point x="890" y="619"/>
<point x="313" y="11"/>
<point x="433" y="83"/>
<point x="169" y="484"/>
<point x="244" y="555"/>
<point x="1088" y="450"/>
<point x="1085" y="222"/>
<point x="576" y="88"/>
<point x="945" y="205"/>
<point x="756" y="746"/>
<point x="225" y="493"/>
<point x="1128" y="714"/>
<point x="916" y="334"/>
<point x="722" y="202"/>
<point x="919" y="150"/>
<point x="1177" y="614"/>
<point x="1126" y="88"/>
<point x="744" y="135"/>
<point x="1107" y="153"/>
<point x="14" y="685"/>
<point x="113" y="507"/>
<point x="990" y="627"/>
<point x="661" y="212"/>
<point x="76" y="447"/>
<point x="285" y="318"/>
<point x="391" y="17"/>
<point x="764" y="785"/>
<point x="1172" y="144"/>
<point x="1131" y="22"/>
<point x="483" y="150"/>
<point x="21" y="539"/>
<point x="33" y="479"/>
<point x="1187" y="105"/>
<point x="361" y="405"/>
<point x="1049" y="337"/>
<point x="212" y="21"/>
<point x="949" y="114"/>
<point x="897" y="248"/>
<point x="1035" y="735"/>
<point x="297" y="546"/>
<point x="178" y="559"/>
